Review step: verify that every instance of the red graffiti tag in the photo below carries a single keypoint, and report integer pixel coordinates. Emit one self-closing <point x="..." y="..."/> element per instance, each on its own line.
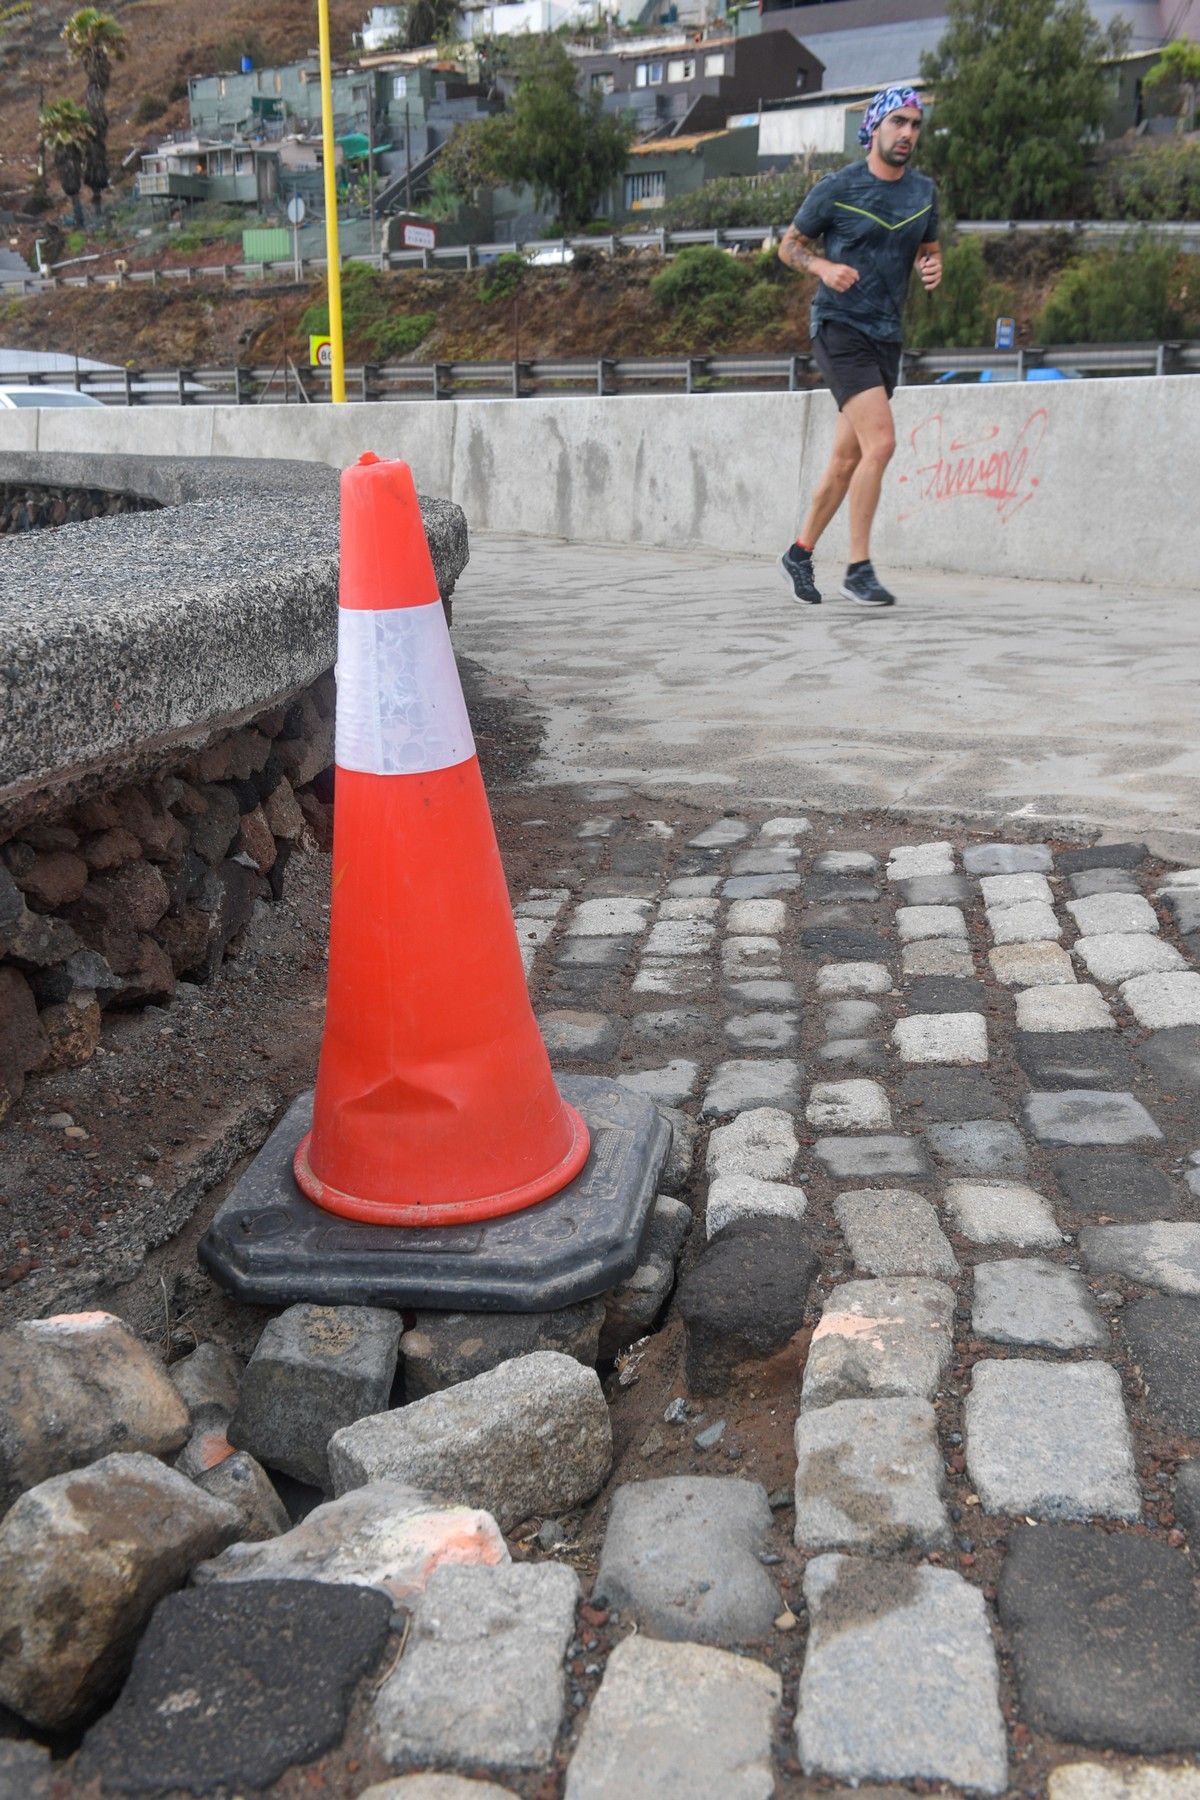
<point x="976" y="468"/>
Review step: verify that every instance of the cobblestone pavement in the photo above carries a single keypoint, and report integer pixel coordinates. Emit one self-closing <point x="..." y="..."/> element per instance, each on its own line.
<point x="974" y="699"/>
<point x="968" y="1073"/>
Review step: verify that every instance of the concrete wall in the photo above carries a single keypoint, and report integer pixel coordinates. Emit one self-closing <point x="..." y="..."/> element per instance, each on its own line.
<point x="1081" y="480"/>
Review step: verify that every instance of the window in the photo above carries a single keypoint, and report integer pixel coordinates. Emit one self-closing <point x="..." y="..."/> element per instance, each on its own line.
<point x="645" y="190"/>
<point x="603" y="82"/>
<point x="399" y="87"/>
<point x="714" y="64"/>
<point x="648" y="74"/>
<point x="682" y="68"/>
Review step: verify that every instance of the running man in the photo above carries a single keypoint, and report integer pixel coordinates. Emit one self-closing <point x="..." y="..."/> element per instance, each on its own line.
<point x="875" y="218"/>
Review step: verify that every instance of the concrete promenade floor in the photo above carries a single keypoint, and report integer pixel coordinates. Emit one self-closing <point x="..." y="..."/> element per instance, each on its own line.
<point x="986" y="700"/>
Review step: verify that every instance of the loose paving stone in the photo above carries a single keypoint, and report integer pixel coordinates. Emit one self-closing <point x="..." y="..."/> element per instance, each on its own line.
<point x="720" y="835"/>
<point x="209" y="1380"/>
<point x="1075" y="1059"/>
<point x="1081" y="1116"/>
<point x="678" y="1722"/>
<point x="1050" y="1440"/>
<point x="677" y="1170"/>
<point x="314" y="1369"/>
<point x="989" y="1147"/>
<point x="678" y="979"/>
<point x="744" y="1297"/>
<point x="683" y="1026"/>
<point x="1131" y="1682"/>
<point x="941" y="1038"/>
<point x="1050" y="1009"/>
<point x="743" y="957"/>
<point x="878" y="1339"/>
<point x="435" y="1787"/>
<point x="596" y="828"/>
<point x="851" y="1018"/>
<point x="849" y="1106"/>
<point x="1164" y="1341"/>
<point x="868" y="1158"/>
<point x="837" y="888"/>
<point x="1000" y="891"/>
<point x="1102" y="856"/>
<point x="1007" y="859"/>
<point x="845" y="942"/>
<point x="846" y="862"/>
<point x="735" y="1197"/>
<point x="244" y="1484"/>
<point x="760" y="887"/>
<point x="763" y="1030"/>
<point x="1103" y="914"/>
<point x="934" y="890"/>
<point x="1160" y="1255"/>
<point x="1002" y="1212"/>
<point x="532" y="1437"/>
<point x="907" y="860"/>
<point x="1179" y="878"/>
<point x="1118" y="956"/>
<point x="1025" y="1300"/>
<point x="1114" y="1186"/>
<point x="756" y="918"/>
<point x="610" y="916"/>
<point x="869" y="1477"/>
<point x="1101" y="1781"/>
<point x="84" y="1559"/>
<point x="631" y="1309"/>
<point x="765" y="992"/>
<point x="670" y="1085"/>
<point x="745" y="1083"/>
<point x="386" y="1536"/>
<point x="900" y="1679"/>
<point x="1184" y="906"/>
<point x="567" y="1034"/>
<point x="889" y="1231"/>
<point x="444" y="1348"/>
<point x="1173" y="1057"/>
<point x="682" y="1555"/>
<point x="1031" y="922"/>
<point x="858" y="1053"/>
<point x="784" y="830"/>
<point x="947" y="1093"/>
<point x="916" y="923"/>
<point x="1033" y="965"/>
<point x="1161" y="1001"/>
<point x="73" y="1388"/>
<point x="1103" y="881"/>
<point x="765" y="860"/>
<point x="940" y="956"/>
<point x="693" y="887"/>
<point x="837" y="979"/>
<point x="496" y="1637"/>
<point x="232" y="1687"/>
<point x="945" y="993"/>
<point x="621" y="887"/>
<point x="761" y="1142"/>
<point x="593" y="953"/>
<point x="679" y="937"/>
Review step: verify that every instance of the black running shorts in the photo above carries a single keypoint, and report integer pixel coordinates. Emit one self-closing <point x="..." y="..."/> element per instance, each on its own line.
<point x="851" y="362"/>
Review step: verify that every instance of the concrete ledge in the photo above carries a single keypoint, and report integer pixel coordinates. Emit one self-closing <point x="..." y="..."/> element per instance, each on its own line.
<point x="125" y="638"/>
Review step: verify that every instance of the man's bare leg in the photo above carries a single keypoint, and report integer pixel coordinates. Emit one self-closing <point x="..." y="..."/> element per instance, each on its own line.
<point x="870" y="417"/>
<point x="831" y="489"/>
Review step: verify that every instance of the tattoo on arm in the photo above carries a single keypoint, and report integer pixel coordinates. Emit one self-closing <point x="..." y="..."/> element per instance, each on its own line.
<point x="799" y="253"/>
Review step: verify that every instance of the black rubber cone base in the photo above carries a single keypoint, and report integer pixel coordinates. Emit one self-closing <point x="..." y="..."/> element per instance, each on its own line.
<point x="270" y="1245"/>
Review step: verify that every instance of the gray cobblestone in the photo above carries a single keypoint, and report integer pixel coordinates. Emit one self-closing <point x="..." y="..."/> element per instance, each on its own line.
<point x="879" y="1338"/>
<point x="869" y="1477"/>
<point x="1050" y="1440"/>
<point x="889" y="1231"/>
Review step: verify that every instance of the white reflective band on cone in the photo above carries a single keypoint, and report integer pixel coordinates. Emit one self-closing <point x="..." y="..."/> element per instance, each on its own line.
<point x="400" y="708"/>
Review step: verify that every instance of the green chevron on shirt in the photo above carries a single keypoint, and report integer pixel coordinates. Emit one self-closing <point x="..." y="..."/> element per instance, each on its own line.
<point x="887" y="224"/>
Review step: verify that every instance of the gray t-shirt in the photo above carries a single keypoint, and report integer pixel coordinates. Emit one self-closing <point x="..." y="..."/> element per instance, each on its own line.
<point x="877" y="227"/>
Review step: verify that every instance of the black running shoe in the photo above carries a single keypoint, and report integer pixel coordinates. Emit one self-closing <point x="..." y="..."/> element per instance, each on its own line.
<point x="865" y="587"/>
<point x="798" y="573"/>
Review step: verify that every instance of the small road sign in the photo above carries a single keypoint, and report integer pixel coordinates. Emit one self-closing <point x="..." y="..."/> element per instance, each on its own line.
<point x="296" y="210"/>
<point x="320" y="352"/>
<point x="419" y="237"/>
<point x="1006" y="333"/>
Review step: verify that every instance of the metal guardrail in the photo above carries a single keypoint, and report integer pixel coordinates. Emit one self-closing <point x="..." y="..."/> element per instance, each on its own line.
<point x="470" y="256"/>
<point x="285" y="384"/>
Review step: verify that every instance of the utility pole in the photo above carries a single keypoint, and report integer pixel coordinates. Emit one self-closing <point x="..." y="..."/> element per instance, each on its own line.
<point x="371" y="159"/>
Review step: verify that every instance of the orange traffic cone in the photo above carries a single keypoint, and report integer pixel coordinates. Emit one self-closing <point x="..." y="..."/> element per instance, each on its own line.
<point x="435" y="1104"/>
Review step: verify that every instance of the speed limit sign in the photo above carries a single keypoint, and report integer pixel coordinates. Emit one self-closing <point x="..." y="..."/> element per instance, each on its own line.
<point x="320" y="352"/>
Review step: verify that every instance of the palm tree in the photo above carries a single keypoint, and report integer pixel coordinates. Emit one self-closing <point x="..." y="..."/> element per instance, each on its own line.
<point x="95" y="40"/>
<point x="66" y="130"/>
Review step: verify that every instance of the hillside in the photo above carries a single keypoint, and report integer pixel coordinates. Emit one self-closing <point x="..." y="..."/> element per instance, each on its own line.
<point x="168" y="41"/>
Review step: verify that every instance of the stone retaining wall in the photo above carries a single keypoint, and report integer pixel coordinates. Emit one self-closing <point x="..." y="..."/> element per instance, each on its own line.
<point x="26" y="506"/>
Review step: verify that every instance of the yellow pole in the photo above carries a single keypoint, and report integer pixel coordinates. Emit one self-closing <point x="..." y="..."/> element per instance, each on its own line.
<point x="337" y="383"/>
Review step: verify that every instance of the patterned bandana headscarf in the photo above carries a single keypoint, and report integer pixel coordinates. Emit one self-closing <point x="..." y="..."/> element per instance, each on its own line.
<point x="886" y="101"/>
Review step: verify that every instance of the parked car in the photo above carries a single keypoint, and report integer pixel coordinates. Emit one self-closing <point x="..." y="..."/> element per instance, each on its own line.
<point x="1035" y="374"/>
<point x="12" y="399"/>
